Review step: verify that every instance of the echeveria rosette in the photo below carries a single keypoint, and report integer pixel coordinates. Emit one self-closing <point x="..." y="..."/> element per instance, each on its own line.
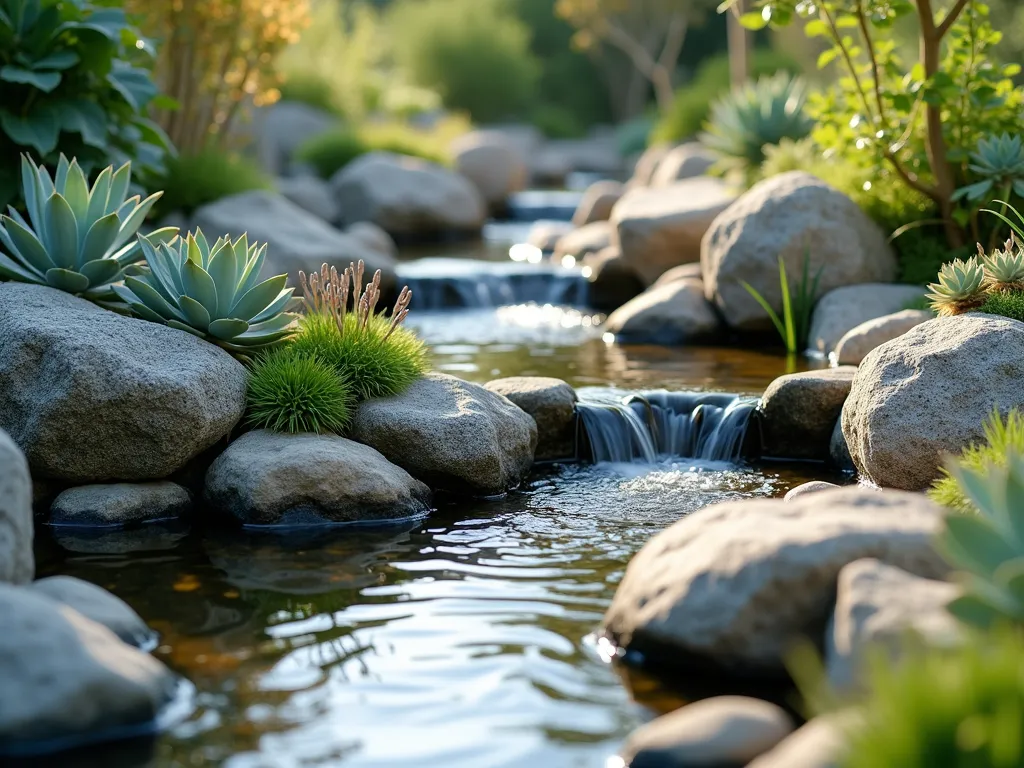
<point x="77" y="239"/>
<point x="211" y="292"/>
<point x="998" y="162"/>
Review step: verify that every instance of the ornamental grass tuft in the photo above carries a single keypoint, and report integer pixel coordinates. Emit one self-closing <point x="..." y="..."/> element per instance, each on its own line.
<point x="374" y="353"/>
<point x="289" y="392"/>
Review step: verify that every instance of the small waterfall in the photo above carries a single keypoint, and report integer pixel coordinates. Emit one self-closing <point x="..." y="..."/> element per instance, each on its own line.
<point x="459" y="283"/>
<point x="655" y="425"/>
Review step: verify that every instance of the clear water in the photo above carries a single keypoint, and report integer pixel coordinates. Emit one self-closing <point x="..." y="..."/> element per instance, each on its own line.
<point x="457" y="642"/>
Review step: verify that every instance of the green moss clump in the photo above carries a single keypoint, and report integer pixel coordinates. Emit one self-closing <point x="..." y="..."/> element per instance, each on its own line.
<point x="1006" y="304"/>
<point x="374" y="363"/>
<point x="194" y="180"/>
<point x="1001" y="436"/>
<point x="290" y="392"/>
<point x="959" y="708"/>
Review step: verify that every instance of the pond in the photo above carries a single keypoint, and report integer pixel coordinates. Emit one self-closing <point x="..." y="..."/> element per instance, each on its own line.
<point x="459" y="641"/>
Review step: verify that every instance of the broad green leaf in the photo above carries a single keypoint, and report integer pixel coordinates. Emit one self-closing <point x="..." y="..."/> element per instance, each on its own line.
<point x="133" y="84"/>
<point x="252" y="270"/>
<point x="131" y="224"/>
<point x="33" y="194"/>
<point x="44" y="81"/>
<point x="199" y="285"/>
<point x="119" y="187"/>
<point x="99" y="240"/>
<point x="279" y="304"/>
<point x="254" y="301"/>
<point x="148" y="296"/>
<point x="827" y="57"/>
<point x="60" y="177"/>
<point x="67" y="280"/>
<point x="816" y="28"/>
<point x="228" y="329"/>
<point x="61" y="232"/>
<point x="754" y="21"/>
<point x="76" y="192"/>
<point x="38" y="130"/>
<point x="971" y="544"/>
<point x="196" y="314"/>
<point x="87" y="119"/>
<point x="101" y="271"/>
<point x="185" y="327"/>
<point x="974" y="611"/>
<point x="24" y="245"/>
<point x="223" y="269"/>
<point x="57" y="60"/>
<point x="10" y="270"/>
<point x="99" y="194"/>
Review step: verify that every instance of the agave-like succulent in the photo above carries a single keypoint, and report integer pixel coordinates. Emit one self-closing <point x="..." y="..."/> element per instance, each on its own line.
<point x="212" y="292"/>
<point x="987" y="549"/>
<point x="999" y="164"/>
<point x="764" y="113"/>
<point x="960" y="287"/>
<point x="1004" y="268"/>
<point x="76" y="239"/>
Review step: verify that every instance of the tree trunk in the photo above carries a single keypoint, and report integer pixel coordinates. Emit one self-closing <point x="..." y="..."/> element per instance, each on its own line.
<point x="739" y="46"/>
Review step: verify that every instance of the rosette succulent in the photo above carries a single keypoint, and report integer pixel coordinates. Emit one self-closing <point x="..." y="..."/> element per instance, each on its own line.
<point x="959" y="287"/>
<point x="212" y="292"/>
<point x="999" y="164"/>
<point x="76" y="239"/>
<point x="1004" y="269"/>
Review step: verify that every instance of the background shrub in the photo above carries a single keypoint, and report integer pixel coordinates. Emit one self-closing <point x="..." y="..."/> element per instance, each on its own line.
<point x="474" y="53"/>
<point x="193" y="180"/>
<point x="310" y="87"/>
<point x="74" y="79"/>
<point x="288" y="392"/>
<point x="330" y="152"/>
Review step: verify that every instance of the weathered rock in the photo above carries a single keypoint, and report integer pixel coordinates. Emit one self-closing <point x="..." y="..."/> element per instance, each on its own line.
<point x="815" y="486"/>
<point x="546" y="234"/>
<point x="658" y="229"/>
<point x="282" y="128"/>
<point x="721" y="732"/>
<point x="613" y="282"/>
<point x="926" y="393"/>
<point x="17" y="564"/>
<point x="98" y="605"/>
<point x="683" y="162"/>
<point x="672" y="314"/>
<point x="552" y="404"/>
<point x="838" y="451"/>
<point x="373" y="237"/>
<point x="452" y="435"/>
<point x="799" y="412"/>
<point x="267" y="478"/>
<point x="793" y="216"/>
<point x="69" y="680"/>
<point x="883" y="609"/>
<point x="119" y="504"/>
<point x="857" y="342"/>
<point x="597" y="202"/>
<point x="407" y="197"/>
<point x="591" y="238"/>
<point x="492" y="163"/>
<point x="682" y="272"/>
<point x="821" y="743"/>
<point x="741" y="581"/>
<point x="647" y="165"/>
<point x="311" y="194"/>
<point x="840" y="311"/>
<point x="91" y="396"/>
<point x="296" y="240"/>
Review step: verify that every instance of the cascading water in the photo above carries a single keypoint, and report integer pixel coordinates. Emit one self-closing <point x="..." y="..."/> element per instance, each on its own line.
<point x="649" y="426"/>
<point x="461" y="283"/>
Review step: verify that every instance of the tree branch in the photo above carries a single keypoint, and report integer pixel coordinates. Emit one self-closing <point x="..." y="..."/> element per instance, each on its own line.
<point x="642" y="58"/>
<point x="951" y="18"/>
<point x="674" y="39"/>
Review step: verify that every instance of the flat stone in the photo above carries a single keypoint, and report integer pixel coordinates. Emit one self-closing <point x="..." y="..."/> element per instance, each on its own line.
<point x="673" y="314"/>
<point x="925" y="395"/>
<point x="597" y="202"/>
<point x="67" y="679"/>
<point x="267" y="478"/>
<point x="452" y="435"/>
<point x="552" y="404"/>
<point x="821" y="743"/>
<point x="738" y="583"/>
<point x="17" y="563"/>
<point x="686" y="161"/>
<point x="880" y="608"/>
<point x="682" y="272"/>
<point x="588" y="239"/>
<point x="815" y="486"/>
<point x="546" y="234"/>
<point x="858" y="341"/>
<point x="799" y="412"/>
<point x="721" y="732"/>
<point x="647" y="165"/>
<point x="92" y="396"/>
<point x="840" y="311"/>
<point x="119" y="504"/>
<point x="98" y="605"/>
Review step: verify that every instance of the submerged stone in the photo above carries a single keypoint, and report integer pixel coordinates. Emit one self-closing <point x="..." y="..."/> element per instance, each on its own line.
<point x="118" y="504"/>
<point x="98" y="605"/>
<point x="799" y="411"/>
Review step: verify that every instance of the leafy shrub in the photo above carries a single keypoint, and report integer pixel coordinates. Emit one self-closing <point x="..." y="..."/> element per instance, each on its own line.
<point x="692" y="103"/>
<point x="330" y="152"/>
<point x="374" y="354"/>
<point x="289" y="392"/>
<point x="474" y="53"/>
<point x="743" y="121"/>
<point x="214" y="292"/>
<point x="1002" y="436"/>
<point x="76" y="239"/>
<point x="556" y="122"/>
<point x="216" y="58"/>
<point x="312" y="88"/>
<point x="633" y="135"/>
<point x="193" y="180"/>
<point x="74" y="80"/>
<point x="959" y="708"/>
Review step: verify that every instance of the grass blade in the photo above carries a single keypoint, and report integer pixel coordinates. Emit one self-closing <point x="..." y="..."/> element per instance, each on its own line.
<point x="766" y="307"/>
<point x="787" y="309"/>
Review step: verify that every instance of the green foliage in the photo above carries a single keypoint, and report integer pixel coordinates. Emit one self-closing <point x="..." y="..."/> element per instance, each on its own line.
<point x="922" y="253"/>
<point x="1006" y="304"/>
<point x="289" y="392"/>
<point x="76" y="239"/>
<point x="311" y="88"/>
<point x="74" y="79"/>
<point x="957" y="708"/>
<point x="795" y="324"/>
<point x="999" y="164"/>
<point x="211" y="292"/>
<point x="632" y="136"/>
<point x="692" y="104"/>
<point x="330" y="152"/>
<point x="474" y="53"/>
<point x="192" y="181"/>
<point x="745" y="120"/>
<point x="1002" y="437"/>
<point x="987" y="549"/>
<point x="556" y="122"/>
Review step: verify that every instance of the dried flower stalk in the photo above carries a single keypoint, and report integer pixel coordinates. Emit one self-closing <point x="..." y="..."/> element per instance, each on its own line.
<point x="328" y="293"/>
